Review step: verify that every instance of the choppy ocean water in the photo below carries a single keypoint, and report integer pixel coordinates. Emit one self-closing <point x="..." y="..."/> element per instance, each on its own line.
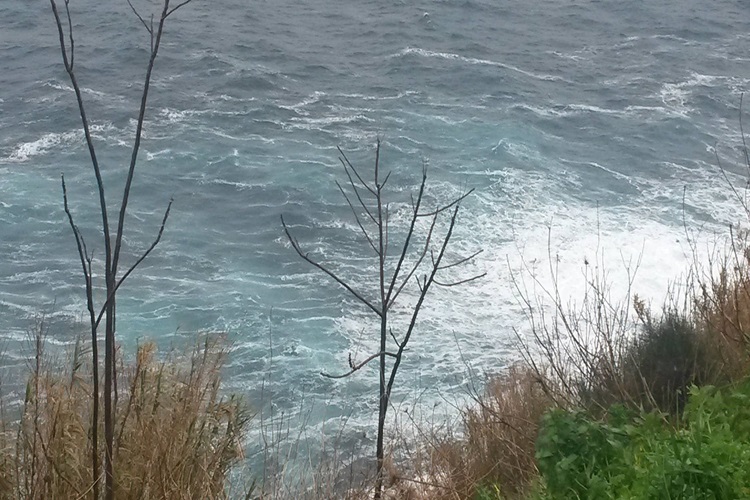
<point x="599" y="118"/>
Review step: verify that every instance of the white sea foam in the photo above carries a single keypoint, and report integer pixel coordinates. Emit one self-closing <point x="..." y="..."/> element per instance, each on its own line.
<point x="248" y="137"/>
<point x="24" y="151"/>
<point x="299" y="107"/>
<point x="676" y="96"/>
<point x="325" y="121"/>
<point x="158" y="154"/>
<point x="572" y="57"/>
<point x="577" y="109"/>
<point x="364" y="97"/>
<point x="629" y="244"/>
<point x="97" y="94"/>
<point x="472" y="60"/>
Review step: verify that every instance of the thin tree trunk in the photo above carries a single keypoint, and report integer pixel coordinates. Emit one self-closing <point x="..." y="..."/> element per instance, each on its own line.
<point x="109" y="493"/>
<point x="382" y="409"/>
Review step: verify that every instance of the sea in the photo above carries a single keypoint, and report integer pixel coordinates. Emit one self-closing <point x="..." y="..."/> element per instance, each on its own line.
<point x="598" y="136"/>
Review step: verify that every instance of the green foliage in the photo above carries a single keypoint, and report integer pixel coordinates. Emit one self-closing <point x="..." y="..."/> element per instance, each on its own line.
<point x="490" y="492"/>
<point x="631" y="456"/>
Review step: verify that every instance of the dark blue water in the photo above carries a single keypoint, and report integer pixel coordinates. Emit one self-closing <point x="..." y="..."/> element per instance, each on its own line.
<point x="597" y="118"/>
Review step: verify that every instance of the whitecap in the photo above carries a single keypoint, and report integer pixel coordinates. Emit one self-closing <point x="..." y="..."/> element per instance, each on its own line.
<point x="299" y="107"/>
<point x="364" y="97"/>
<point x="26" y="150"/>
<point x="677" y="95"/>
<point x="471" y="60"/>
<point x="315" y="123"/>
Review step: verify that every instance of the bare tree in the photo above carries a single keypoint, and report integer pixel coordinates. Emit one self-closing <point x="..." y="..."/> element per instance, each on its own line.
<point x="420" y="265"/>
<point x="112" y="246"/>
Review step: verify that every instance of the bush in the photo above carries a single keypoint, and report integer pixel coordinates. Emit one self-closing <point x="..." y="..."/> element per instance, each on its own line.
<point x="663" y="361"/>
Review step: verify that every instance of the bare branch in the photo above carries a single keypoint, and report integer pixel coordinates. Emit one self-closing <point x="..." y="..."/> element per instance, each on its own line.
<point x="385" y="181"/>
<point x="742" y="134"/>
<point x="83" y="254"/>
<point x="85" y="123"/>
<point x="356" y="192"/>
<point x="330" y="273"/>
<point x="460" y="282"/>
<point x="143" y="21"/>
<point x="419" y="283"/>
<point x="138" y="135"/>
<point x="112" y="251"/>
<point x="81" y="244"/>
<point x="392" y="279"/>
<point x="449" y="205"/>
<point x="70" y="34"/>
<point x="462" y="261"/>
<point x="171" y="11"/>
<point x="377" y="165"/>
<point x="356" y="367"/>
<point x="387" y="232"/>
<point x="393" y="336"/>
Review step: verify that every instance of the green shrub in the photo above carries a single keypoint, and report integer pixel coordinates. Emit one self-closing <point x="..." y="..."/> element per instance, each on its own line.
<point x="630" y="456"/>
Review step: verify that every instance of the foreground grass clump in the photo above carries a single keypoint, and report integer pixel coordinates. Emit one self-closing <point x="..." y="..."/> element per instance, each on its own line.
<point x="722" y="309"/>
<point x="496" y="446"/>
<point x="176" y="435"/>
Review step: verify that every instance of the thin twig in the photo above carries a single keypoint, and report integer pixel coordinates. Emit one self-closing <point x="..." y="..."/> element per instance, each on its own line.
<point x="177" y="7"/>
<point x="462" y="261"/>
<point x="143" y="21"/>
<point x="356" y="367"/>
<point x="460" y="282"/>
<point x="449" y="205"/>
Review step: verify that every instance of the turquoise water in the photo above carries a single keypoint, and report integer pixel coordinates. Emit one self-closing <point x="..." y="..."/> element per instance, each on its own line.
<point x="597" y="118"/>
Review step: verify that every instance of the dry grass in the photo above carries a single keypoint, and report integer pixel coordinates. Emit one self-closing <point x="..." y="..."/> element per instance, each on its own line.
<point x="722" y="310"/>
<point x="501" y="430"/>
<point x="176" y="436"/>
<point x="496" y="445"/>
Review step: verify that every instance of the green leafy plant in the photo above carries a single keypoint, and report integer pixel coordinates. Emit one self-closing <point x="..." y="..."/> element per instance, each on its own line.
<point x="643" y="456"/>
